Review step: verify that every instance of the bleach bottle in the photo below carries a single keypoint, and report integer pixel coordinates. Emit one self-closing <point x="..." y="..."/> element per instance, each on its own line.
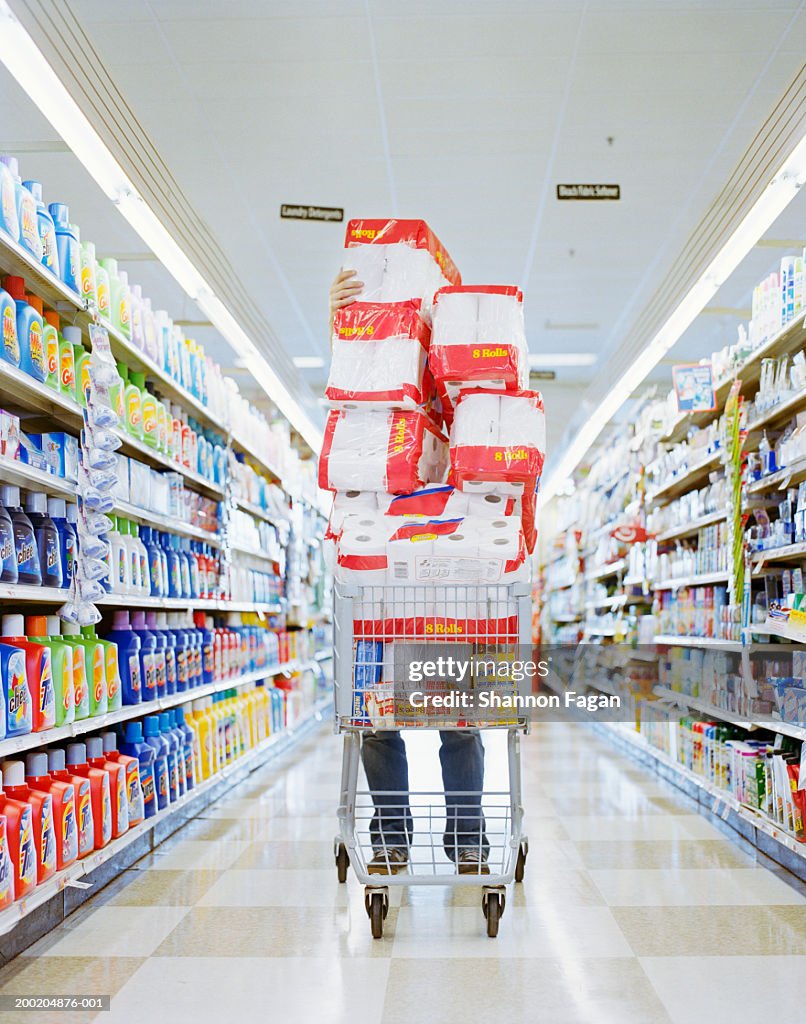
<point x="99" y="792"/>
<point x="41" y="817"/>
<point x="28" y="570"/>
<point x="48" y="541"/>
<point x="9" y="221"/>
<point x="128" y="646"/>
<point x="30" y="330"/>
<point x="8" y="319"/>
<point x="38" y="671"/>
<point x="133" y="745"/>
<point x="156" y="741"/>
<point x="46" y="228"/>
<point x="131" y="766"/>
<point x="39" y="629"/>
<point x="67" y="246"/>
<point x="64" y="807"/>
<point x="20" y="840"/>
<point x="83" y="799"/>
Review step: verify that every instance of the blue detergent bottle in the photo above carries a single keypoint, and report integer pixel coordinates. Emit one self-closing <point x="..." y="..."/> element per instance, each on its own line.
<point x="28" y="567"/>
<point x="30" y="330"/>
<point x="181" y="752"/>
<point x="68" y="539"/>
<point x="48" y="542"/>
<point x="147" y="536"/>
<point x="184" y="565"/>
<point x="8" y="320"/>
<point x="183" y="654"/>
<point x="133" y="745"/>
<point x="170" y="652"/>
<point x="148" y="655"/>
<point x="19" y="708"/>
<point x="175" y="770"/>
<point x="8" y="551"/>
<point x="159" y="654"/>
<point x="128" y="643"/>
<point x="68" y="246"/>
<point x="194" y="652"/>
<point x="154" y="738"/>
<point x="187" y="734"/>
<point x="26" y="210"/>
<point x="46" y="228"/>
<point x="174" y="575"/>
<point x="205" y="628"/>
<point x="9" y="221"/>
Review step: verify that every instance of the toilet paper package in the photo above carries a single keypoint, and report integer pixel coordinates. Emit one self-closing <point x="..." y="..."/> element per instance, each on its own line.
<point x="446" y="502"/>
<point x="361" y="551"/>
<point x="346" y="503"/>
<point x="498" y="436"/>
<point x="396" y="451"/>
<point x="478" y="337"/>
<point x="398" y="260"/>
<point x="379" y="355"/>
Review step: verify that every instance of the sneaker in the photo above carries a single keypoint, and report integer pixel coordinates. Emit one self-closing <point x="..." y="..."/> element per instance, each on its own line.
<point x="472" y="862"/>
<point x="388" y="861"/>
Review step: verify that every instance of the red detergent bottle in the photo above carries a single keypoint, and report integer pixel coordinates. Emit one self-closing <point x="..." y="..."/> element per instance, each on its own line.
<point x="64" y="807"/>
<point x="134" y="789"/>
<point x="38" y="670"/>
<point x="99" y="792"/>
<point x="20" y="840"/>
<point x="41" y="817"/>
<point x="83" y="799"/>
<point x="117" y="784"/>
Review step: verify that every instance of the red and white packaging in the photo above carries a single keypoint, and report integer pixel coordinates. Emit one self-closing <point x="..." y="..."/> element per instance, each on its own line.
<point x="398" y="260"/>
<point x="445" y="502"/>
<point x="348" y="503"/>
<point x="498" y="436"/>
<point x="379" y="355"/>
<point x="478" y="338"/>
<point x="361" y="550"/>
<point x="396" y="451"/>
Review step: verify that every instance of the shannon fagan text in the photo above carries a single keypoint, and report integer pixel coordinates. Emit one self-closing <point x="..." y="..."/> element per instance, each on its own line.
<point x="458" y="670"/>
<point x="489" y="699"/>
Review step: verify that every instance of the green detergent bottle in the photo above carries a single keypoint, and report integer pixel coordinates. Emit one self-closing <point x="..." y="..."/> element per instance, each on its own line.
<point x="114" y="693"/>
<point x="44" y="629"/>
<point x="71" y="634"/>
<point x="133" y="399"/>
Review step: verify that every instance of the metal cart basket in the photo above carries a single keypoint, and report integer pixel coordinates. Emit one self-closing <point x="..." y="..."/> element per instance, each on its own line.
<point x="376" y="628"/>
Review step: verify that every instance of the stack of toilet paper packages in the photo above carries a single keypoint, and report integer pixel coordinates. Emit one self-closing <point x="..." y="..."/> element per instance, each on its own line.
<point x="395" y="451"/>
<point x="379" y="355"/>
<point x="498" y="437"/>
<point x="398" y="260"/>
<point x="478" y="340"/>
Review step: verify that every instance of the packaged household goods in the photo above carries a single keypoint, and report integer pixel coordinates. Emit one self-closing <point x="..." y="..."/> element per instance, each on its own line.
<point x="498" y="436"/>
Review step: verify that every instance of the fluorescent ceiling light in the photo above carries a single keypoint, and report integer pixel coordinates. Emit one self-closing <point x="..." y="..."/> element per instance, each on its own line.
<point x="777" y="195"/>
<point x="21" y="56"/>
<point x="542" y="360"/>
<point x="309" y="362"/>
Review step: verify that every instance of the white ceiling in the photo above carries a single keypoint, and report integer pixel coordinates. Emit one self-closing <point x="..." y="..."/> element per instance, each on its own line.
<point x="465" y="113"/>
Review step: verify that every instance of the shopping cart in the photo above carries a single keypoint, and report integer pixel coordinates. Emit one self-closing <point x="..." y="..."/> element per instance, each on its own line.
<point x="371" y="624"/>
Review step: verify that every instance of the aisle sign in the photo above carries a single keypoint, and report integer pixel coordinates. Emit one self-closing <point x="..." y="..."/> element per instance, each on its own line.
<point x="694" y="386"/>
<point x="588" y="192"/>
<point x="291" y="211"/>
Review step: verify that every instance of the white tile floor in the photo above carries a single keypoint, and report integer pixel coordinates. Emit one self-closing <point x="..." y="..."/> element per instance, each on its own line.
<point x="634" y="909"/>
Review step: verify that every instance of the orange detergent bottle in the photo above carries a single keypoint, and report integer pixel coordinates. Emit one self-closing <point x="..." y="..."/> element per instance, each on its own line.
<point x="20" y="840"/>
<point x="117" y="784"/>
<point x="64" y="807"/>
<point x="131" y="765"/>
<point x="41" y="816"/>
<point x="6" y="872"/>
<point x="99" y="792"/>
<point x="83" y="797"/>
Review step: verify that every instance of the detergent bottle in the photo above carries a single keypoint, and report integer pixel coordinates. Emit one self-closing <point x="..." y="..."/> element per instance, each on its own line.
<point x="28" y="570"/>
<point x="133" y="402"/>
<point x="38" y="629"/>
<point x="202" y="758"/>
<point x="102" y="290"/>
<point x="64" y="807"/>
<point x="182" y="652"/>
<point x="131" y="767"/>
<point x="26" y="211"/>
<point x="50" y="340"/>
<point x="148" y="656"/>
<point x="174" y="769"/>
<point x="6" y="869"/>
<point x="37" y="365"/>
<point x="184" y="729"/>
<point x="174" y="576"/>
<point x="128" y="645"/>
<point x="67" y="246"/>
<point x="29" y="330"/>
<point x="95" y="660"/>
<point x="117" y="392"/>
<point x="150" y="421"/>
<point x="183" y="753"/>
<point x="125" y="305"/>
<point x="82" y="669"/>
<point x="8" y="316"/>
<point x="68" y="539"/>
<point x="15" y="703"/>
<point x="89" y="289"/>
<point x="20" y="840"/>
<point x="67" y="363"/>
<point x="171" y="680"/>
<point x="161" y="653"/>
<point x="48" y="541"/>
<point x="41" y="816"/>
<point x="99" y="792"/>
<point x="46" y="228"/>
<point x="9" y="221"/>
<point x="38" y="672"/>
<point x="82" y="359"/>
<point x="114" y="694"/>
<point x="73" y="337"/>
<point x="162" y="778"/>
<point x="8" y="551"/>
<point x="117" y="784"/>
<point x="154" y="559"/>
<point x="133" y="745"/>
<point x="83" y="799"/>
<point x="205" y="624"/>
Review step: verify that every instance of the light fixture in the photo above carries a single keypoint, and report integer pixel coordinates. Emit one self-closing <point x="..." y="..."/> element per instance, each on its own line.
<point x="541" y="360"/>
<point x="26" y="63"/>
<point x="779" y="192"/>
<point x="309" y="362"/>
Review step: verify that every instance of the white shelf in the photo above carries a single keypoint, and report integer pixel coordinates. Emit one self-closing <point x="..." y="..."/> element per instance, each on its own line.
<point x="32" y="740"/>
<point x="785" y="553"/>
<point x="793" y="473"/>
<point x="566" y="618"/>
<point x="185" y="604"/>
<point x="169" y="523"/>
<point x="688" y="529"/>
<point x="20" y="474"/>
<point x="21" y="391"/>
<point x="242" y="549"/>
<point x="35" y="595"/>
<point x="611" y="569"/>
<point x="695" y="641"/>
<point x="697" y="580"/>
<point x="781" y="630"/>
<point x="42" y="893"/>
<point x="260" y="513"/>
<point x="682" y="483"/>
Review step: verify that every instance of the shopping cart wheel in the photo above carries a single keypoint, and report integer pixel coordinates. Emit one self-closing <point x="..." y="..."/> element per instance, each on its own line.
<point x="493" y="902"/>
<point x="377" y="903"/>
<point x="520" y="865"/>
<point x="342" y="862"/>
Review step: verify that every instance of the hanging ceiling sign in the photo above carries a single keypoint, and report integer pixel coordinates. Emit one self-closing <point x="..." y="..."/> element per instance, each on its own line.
<point x="289" y="211"/>
<point x="588" y="192"/>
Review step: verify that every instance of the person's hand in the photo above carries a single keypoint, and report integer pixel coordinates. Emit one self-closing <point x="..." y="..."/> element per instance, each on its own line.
<point x="344" y="290"/>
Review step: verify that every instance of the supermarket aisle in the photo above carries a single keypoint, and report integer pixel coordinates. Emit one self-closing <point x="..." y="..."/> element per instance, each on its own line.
<point x="239" y="917"/>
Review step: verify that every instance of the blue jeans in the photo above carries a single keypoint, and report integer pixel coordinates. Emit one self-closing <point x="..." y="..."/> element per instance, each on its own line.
<point x="462" y="759"/>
